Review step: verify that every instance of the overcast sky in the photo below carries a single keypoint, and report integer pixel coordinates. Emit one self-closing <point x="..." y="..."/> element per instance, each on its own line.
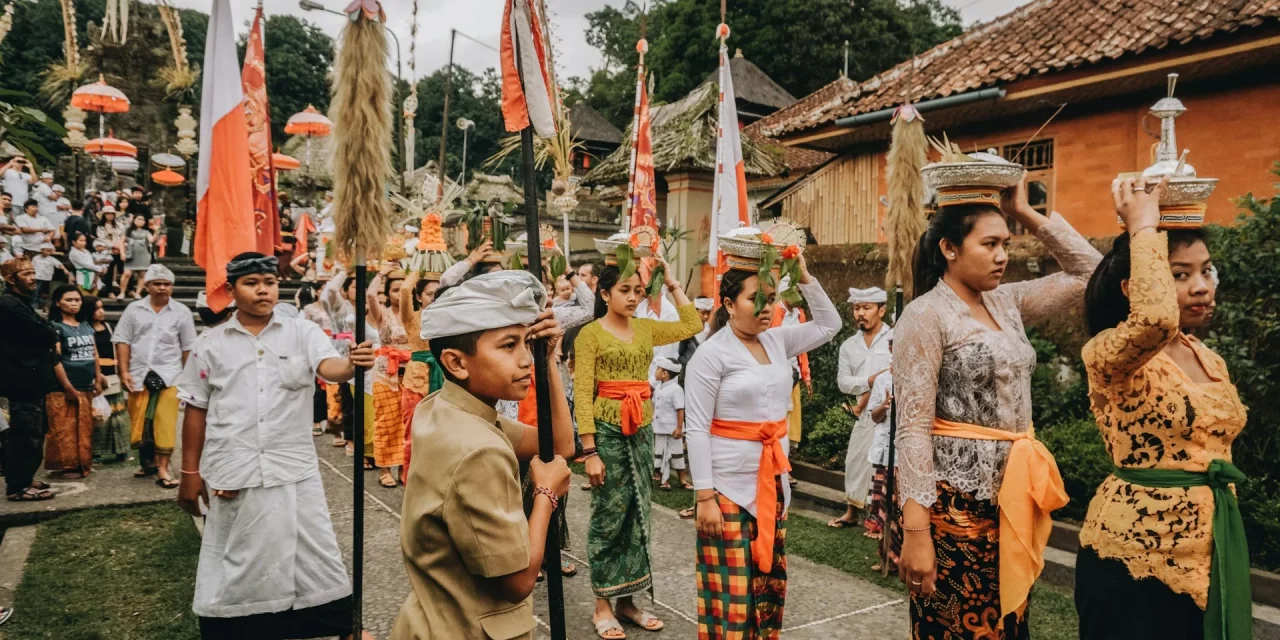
<point x="482" y="19"/>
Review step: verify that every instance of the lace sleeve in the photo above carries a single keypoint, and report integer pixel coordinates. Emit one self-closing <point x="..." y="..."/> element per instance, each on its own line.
<point x="689" y="324"/>
<point x="585" y="348"/>
<point x="1115" y="354"/>
<point x="1044" y="297"/>
<point x="917" y="358"/>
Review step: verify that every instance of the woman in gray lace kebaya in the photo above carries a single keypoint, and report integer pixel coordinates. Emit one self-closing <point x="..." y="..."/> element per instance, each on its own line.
<point x="961" y="355"/>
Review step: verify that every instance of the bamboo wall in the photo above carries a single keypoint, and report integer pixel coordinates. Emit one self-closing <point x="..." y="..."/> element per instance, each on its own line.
<point x="839" y="203"/>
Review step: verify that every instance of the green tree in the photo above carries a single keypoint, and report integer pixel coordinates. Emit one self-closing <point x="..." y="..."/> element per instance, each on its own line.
<point x="298" y="59"/>
<point x="475" y="97"/>
<point x="682" y="47"/>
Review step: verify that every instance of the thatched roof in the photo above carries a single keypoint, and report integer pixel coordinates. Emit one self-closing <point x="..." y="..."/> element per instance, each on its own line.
<point x="487" y="188"/>
<point x="587" y="124"/>
<point x="751" y="84"/>
<point x="684" y="138"/>
<point x="425" y="179"/>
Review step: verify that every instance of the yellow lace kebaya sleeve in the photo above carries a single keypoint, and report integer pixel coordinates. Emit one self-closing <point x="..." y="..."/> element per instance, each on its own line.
<point x="689" y="324"/>
<point x="917" y="358"/>
<point x="585" y="349"/>
<point x="1048" y="296"/>
<point x="1116" y="354"/>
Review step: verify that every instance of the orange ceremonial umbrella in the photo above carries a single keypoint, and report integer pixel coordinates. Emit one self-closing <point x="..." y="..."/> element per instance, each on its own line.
<point x="167" y="178"/>
<point x="110" y="147"/>
<point x="284" y="162"/>
<point x="308" y="122"/>
<point x="100" y="97"/>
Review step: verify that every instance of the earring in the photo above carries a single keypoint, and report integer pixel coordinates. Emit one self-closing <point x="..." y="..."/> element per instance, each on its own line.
<point x="951" y="255"/>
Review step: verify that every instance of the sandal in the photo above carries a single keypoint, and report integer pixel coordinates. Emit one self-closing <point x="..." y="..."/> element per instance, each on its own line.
<point x="688" y="513"/>
<point x="339" y="442"/>
<point x="687" y="485"/>
<point x="388" y="481"/>
<point x="567" y="569"/>
<point x="317" y="431"/>
<point x="368" y="464"/>
<point x="5" y="614"/>
<point x="644" y="620"/>
<point x="31" y="495"/>
<point x="841" y="523"/>
<point x="874" y="535"/>
<point x="39" y="486"/>
<point x="145" y="473"/>
<point x="542" y="575"/>
<point x="166" y="483"/>
<point x="665" y="487"/>
<point x="610" y="626"/>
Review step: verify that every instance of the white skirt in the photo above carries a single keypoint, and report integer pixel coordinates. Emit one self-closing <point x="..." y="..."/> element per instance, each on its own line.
<point x="857" y="469"/>
<point x="269" y="550"/>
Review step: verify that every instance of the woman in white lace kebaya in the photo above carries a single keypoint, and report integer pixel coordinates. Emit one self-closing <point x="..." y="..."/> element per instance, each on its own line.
<point x="962" y="366"/>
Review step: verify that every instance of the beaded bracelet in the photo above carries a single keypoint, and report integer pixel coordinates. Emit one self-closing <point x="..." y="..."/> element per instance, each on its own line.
<point x="713" y="496"/>
<point x="589" y="451"/>
<point x="555" y="502"/>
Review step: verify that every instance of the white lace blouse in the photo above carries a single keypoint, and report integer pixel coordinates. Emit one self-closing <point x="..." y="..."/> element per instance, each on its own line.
<point x="950" y="365"/>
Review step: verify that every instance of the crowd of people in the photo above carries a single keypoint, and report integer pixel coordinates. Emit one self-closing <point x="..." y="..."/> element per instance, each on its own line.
<point x="654" y="386"/>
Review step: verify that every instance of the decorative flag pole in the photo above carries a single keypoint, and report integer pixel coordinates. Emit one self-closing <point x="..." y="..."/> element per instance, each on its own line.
<point x="729" y="208"/>
<point x="905" y="223"/>
<point x="362" y="119"/>
<point x="258" y="116"/>
<point x="528" y="107"/>
<point x="642" y="47"/>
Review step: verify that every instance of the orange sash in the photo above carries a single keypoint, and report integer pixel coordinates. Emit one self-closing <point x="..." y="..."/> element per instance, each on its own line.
<point x="1031" y="490"/>
<point x="773" y="462"/>
<point x="395" y="358"/>
<point x="632" y="393"/>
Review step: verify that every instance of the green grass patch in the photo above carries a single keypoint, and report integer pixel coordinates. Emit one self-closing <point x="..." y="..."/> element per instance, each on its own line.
<point x="1053" y="611"/>
<point x="121" y="573"/>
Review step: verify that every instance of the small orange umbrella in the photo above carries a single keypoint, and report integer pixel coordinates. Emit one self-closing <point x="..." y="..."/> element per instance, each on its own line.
<point x="284" y="162"/>
<point x="100" y="97"/>
<point x="308" y="122"/>
<point x="167" y="178"/>
<point x="110" y="147"/>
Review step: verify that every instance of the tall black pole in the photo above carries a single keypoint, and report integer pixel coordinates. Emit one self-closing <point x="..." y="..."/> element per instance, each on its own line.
<point x="546" y="442"/>
<point x="890" y="499"/>
<point x="357" y="418"/>
<point x="444" y="118"/>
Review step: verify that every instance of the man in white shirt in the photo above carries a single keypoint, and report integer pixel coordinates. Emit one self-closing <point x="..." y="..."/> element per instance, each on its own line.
<point x="42" y="193"/>
<point x="16" y="176"/>
<point x="270" y="565"/>
<point x="705" y="306"/>
<point x="61" y="209"/>
<point x="154" y="338"/>
<point x="863" y="358"/>
<point x="35" y="228"/>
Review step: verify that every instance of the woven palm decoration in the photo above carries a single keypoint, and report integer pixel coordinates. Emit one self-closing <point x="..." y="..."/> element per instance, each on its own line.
<point x="905" y="221"/>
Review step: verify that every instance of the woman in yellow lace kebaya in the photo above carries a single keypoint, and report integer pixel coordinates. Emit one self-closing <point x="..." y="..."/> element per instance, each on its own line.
<point x="967" y="459"/>
<point x="611" y="397"/>
<point x="1158" y="544"/>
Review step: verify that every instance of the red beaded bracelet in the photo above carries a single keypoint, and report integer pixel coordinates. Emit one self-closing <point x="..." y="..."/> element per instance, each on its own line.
<point x="551" y="495"/>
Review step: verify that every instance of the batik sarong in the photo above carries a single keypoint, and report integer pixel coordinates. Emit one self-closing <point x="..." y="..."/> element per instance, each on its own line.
<point x="966" y="604"/>
<point x="69" y="443"/>
<point x="618" y="536"/>
<point x="736" y="601"/>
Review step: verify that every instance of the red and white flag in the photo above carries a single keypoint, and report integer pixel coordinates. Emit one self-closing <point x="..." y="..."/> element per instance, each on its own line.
<point x="644" y="203"/>
<point x="729" y="208"/>
<point x="224" y="209"/>
<point x="257" y="113"/>
<point x="526" y="86"/>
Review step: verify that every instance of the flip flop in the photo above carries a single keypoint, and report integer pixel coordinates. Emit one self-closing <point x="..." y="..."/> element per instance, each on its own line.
<point x="166" y="483"/>
<point x="568" y="569"/>
<point x="607" y="625"/>
<point x="388" y="482"/>
<point x="841" y="523"/>
<point x="688" y="513"/>
<point x="145" y="473"/>
<point x="31" y="496"/>
<point x="644" y="620"/>
<point x="5" y="614"/>
<point x="39" y="486"/>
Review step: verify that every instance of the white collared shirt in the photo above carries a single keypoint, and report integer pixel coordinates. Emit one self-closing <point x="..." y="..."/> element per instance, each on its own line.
<point x="257" y="391"/>
<point x="724" y="381"/>
<point x="156" y="340"/>
<point x="668" y="399"/>
<point x="858" y="362"/>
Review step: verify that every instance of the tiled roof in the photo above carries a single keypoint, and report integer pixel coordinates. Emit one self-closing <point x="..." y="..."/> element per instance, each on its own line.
<point x="1042" y="37"/>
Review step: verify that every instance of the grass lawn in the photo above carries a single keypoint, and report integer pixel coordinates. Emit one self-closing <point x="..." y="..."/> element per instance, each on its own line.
<point x="110" y="574"/>
<point x="1053" y="612"/>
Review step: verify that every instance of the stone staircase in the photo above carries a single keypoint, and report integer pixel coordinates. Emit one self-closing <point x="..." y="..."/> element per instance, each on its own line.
<point x="189" y="283"/>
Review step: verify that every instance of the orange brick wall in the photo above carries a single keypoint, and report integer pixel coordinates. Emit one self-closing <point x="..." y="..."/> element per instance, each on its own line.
<point x="1232" y="134"/>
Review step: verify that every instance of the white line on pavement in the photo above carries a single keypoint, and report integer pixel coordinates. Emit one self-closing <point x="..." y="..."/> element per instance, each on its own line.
<point x="845" y="615"/>
<point x="352" y="482"/>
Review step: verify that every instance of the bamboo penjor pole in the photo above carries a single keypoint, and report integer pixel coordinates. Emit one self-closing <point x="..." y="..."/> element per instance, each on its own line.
<point x="362" y="122"/>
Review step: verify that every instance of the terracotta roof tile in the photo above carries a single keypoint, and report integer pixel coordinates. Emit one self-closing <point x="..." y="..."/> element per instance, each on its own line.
<point x="1042" y="37"/>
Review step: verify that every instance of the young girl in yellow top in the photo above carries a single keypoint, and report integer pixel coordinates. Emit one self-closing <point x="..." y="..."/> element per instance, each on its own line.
<point x="611" y="395"/>
<point x="1156" y="548"/>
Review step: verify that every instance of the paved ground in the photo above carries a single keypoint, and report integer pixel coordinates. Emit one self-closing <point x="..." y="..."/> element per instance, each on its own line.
<point x="822" y="602"/>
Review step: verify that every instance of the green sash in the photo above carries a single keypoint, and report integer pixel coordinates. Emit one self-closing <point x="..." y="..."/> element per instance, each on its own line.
<point x="1229" y="615"/>
<point x="436" y="377"/>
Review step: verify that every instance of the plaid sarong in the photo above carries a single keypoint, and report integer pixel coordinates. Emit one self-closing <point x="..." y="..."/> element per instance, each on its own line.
<point x="735" y="600"/>
<point x="388" y="426"/>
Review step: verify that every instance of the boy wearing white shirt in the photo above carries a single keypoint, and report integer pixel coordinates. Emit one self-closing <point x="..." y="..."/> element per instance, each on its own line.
<point x="45" y="265"/>
<point x="879" y="404"/>
<point x="668" y="424"/>
<point x="270" y="565"/>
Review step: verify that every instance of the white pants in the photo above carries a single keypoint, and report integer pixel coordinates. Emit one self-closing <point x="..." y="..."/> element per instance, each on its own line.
<point x="668" y="454"/>
<point x="269" y="550"/>
<point x="857" y="469"/>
